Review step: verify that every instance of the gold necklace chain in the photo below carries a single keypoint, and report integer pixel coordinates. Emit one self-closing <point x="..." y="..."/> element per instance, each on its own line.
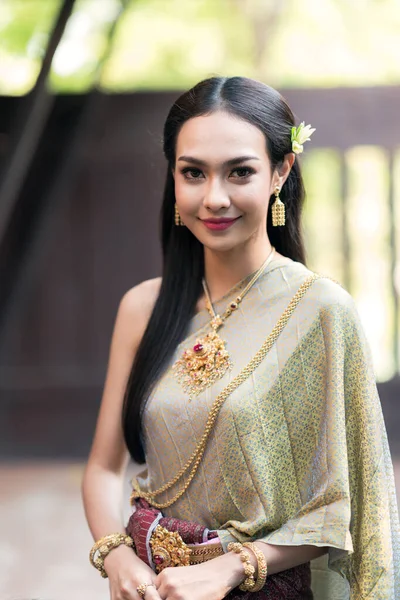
<point x="217" y="320"/>
<point x="208" y="360"/>
<point x="198" y="453"/>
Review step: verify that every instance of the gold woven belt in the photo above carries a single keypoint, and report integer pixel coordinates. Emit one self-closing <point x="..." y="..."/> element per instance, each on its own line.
<point x="169" y="550"/>
<point x="203" y="553"/>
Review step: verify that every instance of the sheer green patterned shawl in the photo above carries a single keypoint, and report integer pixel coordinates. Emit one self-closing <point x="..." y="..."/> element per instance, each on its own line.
<point x="299" y="454"/>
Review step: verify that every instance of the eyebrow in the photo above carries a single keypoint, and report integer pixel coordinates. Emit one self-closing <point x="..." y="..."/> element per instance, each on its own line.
<point x="227" y="163"/>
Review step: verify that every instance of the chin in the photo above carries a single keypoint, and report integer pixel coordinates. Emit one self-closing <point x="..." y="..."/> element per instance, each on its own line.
<point x="221" y="241"/>
<point x="222" y="245"/>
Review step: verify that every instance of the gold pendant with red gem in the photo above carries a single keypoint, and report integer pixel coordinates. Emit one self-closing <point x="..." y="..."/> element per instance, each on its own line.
<point x="203" y="364"/>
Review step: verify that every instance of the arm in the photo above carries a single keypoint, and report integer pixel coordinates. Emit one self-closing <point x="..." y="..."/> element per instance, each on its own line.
<point x="279" y="558"/>
<point x="102" y="484"/>
<point x="214" y="579"/>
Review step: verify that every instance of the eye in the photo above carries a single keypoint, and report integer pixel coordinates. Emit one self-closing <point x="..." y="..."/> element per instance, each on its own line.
<point x="243" y="172"/>
<point x="191" y="173"/>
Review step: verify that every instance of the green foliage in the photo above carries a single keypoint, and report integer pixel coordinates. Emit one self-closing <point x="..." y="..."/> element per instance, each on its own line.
<point x="84" y="44"/>
<point x="283" y="42"/>
<point x="171" y="44"/>
<point x="22" y="21"/>
<point x="162" y="45"/>
<point x="24" y="31"/>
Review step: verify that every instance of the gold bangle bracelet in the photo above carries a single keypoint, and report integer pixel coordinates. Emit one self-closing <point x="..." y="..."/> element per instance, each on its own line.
<point x="262" y="567"/>
<point x="249" y="582"/>
<point x="104" y="546"/>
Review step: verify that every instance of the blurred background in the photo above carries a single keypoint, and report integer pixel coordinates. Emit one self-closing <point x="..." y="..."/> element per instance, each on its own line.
<point x="85" y="87"/>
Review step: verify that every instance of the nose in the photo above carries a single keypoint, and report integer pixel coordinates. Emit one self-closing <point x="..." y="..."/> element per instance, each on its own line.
<point x="215" y="196"/>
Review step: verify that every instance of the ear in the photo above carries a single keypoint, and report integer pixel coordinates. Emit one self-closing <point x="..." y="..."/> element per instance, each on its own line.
<point x="281" y="173"/>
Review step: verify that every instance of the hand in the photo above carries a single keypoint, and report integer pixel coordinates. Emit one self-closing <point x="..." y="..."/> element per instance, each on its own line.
<point x="211" y="580"/>
<point x="126" y="572"/>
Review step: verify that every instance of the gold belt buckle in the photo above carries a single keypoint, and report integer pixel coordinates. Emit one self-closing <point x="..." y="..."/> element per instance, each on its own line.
<point x="168" y="549"/>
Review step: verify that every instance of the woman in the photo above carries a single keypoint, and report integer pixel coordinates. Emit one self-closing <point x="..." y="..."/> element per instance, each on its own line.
<point x="245" y="383"/>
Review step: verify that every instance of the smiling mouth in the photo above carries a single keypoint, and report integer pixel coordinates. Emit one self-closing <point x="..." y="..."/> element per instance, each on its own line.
<point x="220" y="220"/>
<point x="219" y="224"/>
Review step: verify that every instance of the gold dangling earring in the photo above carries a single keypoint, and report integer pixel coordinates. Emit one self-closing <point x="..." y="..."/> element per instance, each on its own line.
<point x="178" y="220"/>
<point x="278" y="210"/>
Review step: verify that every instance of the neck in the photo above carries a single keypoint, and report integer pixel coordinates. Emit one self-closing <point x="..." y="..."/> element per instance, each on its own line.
<point x="223" y="270"/>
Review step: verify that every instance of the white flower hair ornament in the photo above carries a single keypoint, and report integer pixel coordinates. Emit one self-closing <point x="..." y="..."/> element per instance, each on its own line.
<point x="300" y="135"/>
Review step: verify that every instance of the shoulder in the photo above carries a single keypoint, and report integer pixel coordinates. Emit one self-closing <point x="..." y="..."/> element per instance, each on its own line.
<point x="328" y="292"/>
<point x="335" y="305"/>
<point x="142" y="297"/>
<point x="136" y="307"/>
<point x="324" y="292"/>
<point x="328" y="301"/>
<point x="325" y="295"/>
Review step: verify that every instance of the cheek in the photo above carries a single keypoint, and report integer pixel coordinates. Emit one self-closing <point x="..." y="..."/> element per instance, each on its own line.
<point x="187" y="194"/>
<point x="252" y="197"/>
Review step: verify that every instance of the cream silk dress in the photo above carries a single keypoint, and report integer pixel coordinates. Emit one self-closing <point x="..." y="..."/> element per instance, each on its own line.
<point x="299" y="452"/>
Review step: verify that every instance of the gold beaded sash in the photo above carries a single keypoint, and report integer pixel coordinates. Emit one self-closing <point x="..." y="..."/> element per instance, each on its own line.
<point x="195" y="459"/>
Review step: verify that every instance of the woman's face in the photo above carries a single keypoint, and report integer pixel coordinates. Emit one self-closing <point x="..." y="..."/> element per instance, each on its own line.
<point x="222" y="171"/>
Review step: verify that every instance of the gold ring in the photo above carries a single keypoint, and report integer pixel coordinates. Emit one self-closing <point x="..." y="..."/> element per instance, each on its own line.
<point x="141" y="589"/>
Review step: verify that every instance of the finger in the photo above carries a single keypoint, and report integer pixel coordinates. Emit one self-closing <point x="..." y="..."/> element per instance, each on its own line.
<point x="125" y="591"/>
<point x="152" y="594"/>
<point x="161" y="582"/>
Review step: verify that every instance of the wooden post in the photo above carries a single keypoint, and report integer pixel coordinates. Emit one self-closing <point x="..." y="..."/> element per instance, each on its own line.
<point x="31" y="126"/>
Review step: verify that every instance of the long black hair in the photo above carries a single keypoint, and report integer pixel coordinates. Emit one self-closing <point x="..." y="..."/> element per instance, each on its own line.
<point x="183" y="254"/>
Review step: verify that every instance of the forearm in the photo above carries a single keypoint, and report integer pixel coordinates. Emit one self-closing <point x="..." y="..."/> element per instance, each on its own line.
<point x="279" y="558"/>
<point x="102" y="493"/>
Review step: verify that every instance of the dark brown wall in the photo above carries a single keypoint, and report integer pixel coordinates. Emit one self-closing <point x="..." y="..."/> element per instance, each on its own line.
<point x="98" y="238"/>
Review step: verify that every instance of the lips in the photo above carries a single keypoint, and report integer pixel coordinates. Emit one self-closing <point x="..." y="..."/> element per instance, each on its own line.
<point x="220" y="220"/>
<point x="219" y="224"/>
